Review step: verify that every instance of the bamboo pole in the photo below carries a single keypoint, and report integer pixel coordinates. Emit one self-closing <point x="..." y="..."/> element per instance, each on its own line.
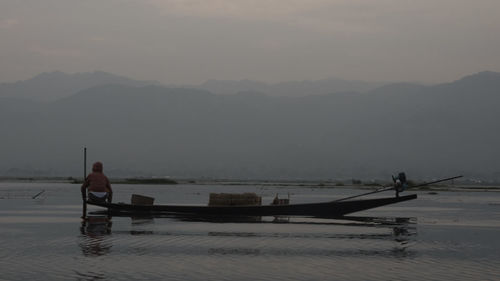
<point x="84" y="215"/>
<point x="386" y="188"/>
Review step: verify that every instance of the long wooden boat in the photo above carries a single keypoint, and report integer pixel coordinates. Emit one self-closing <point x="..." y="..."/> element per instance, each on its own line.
<point x="324" y="210"/>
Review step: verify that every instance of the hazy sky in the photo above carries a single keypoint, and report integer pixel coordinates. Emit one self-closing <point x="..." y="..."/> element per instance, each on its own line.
<point x="190" y="41"/>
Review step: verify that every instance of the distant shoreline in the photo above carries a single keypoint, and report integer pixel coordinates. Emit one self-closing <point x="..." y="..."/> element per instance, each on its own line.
<point x="457" y="186"/>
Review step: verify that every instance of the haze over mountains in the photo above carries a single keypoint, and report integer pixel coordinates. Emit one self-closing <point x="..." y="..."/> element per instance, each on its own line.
<point x="360" y="130"/>
<point x="50" y="86"/>
<point x="290" y="88"/>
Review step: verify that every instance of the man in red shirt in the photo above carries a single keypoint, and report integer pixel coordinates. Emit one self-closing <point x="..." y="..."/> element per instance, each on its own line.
<point x="98" y="185"/>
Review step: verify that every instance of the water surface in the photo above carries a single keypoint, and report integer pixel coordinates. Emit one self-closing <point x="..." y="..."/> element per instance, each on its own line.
<point x="450" y="235"/>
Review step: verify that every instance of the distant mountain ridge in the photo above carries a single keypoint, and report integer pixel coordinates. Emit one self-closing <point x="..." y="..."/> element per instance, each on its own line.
<point x="290" y="88"/>
<point x="427" y="131"/>
<point x="50" y="86"/>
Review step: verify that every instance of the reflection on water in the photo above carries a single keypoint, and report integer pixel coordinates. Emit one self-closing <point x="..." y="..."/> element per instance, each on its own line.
<point x="233" y="251"/>
<point x="403" y="233"/>
<point x="94" y="231"/>
<point x="142" y="220"/>
<point x="226" y="241"/>
<point x="89" y="276"/>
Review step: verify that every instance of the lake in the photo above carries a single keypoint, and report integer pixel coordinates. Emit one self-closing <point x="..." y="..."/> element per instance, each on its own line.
<point x="443" y="236"/>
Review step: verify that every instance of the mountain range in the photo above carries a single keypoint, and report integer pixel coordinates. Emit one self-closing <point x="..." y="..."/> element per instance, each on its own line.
<point x="144" y="128"/>
<point x="289" y="88"/>
<point x="51" y="86"/>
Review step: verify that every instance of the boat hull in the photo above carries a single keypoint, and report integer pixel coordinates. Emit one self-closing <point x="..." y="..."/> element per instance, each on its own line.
<point x="325" y="209"/>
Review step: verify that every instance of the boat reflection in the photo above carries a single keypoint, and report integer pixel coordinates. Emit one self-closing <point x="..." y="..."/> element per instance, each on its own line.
<point x="402" y="227"/>
<point x="339" y="220"/>
<point x="139" y="225"/>
<point x="95" y="230"/>
<point x="375" y="236"/>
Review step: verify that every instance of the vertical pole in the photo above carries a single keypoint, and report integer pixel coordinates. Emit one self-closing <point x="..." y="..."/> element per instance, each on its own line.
<point x="84" y="177"/>
<point x="84" y="163"/>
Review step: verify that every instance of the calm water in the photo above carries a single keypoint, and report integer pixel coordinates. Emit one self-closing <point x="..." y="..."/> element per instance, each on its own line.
<point x="448" y="236"/>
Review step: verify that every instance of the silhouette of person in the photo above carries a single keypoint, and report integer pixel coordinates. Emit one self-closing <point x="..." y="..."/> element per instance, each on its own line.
<point x="99" y="188"/>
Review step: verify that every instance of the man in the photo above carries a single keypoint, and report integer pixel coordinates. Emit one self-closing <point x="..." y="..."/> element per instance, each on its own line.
<point x="98" y="185"/>
<point x="400" y="183"/>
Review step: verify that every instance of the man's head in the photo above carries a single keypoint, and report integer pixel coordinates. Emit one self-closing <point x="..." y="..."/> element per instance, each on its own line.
<point x="97" y="167"/>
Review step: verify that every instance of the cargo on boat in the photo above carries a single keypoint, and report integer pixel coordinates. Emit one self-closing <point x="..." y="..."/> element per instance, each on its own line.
<point x="234" y="199"/>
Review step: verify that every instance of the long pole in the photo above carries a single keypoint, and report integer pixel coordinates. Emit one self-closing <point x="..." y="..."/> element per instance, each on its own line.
<point x="84" y="177"/>
<point x="432" y="182"/>
<point x="386" y="188"/>
<point x="84" y="163"/>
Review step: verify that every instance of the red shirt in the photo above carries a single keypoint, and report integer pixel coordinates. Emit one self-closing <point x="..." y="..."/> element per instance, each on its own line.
<point x="97" y="182"/>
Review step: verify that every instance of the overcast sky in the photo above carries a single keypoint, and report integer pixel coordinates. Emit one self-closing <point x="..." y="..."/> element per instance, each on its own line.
<point x="188" y="42"/>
